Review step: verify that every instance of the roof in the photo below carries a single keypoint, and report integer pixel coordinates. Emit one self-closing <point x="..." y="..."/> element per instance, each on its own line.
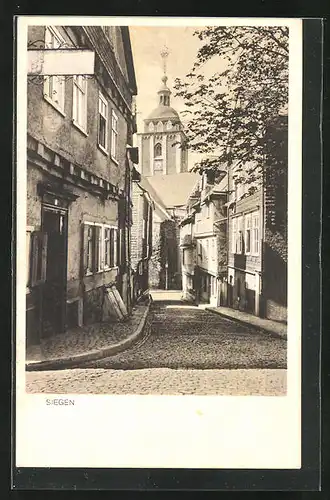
<point x="174" y="189"/>
<point x="160" y="208"/>
<point x="163" y="112"/>
<point x="129" y="58"/>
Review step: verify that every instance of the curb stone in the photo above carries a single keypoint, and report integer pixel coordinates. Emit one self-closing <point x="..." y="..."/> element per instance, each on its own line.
<point x="246" y="323"/>
<point x="76" y="361"/>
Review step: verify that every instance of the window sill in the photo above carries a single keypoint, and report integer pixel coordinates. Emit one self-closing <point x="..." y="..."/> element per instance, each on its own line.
<point x="106" y="269"/>
<point x="55" y="106"/>
<point x="80" y="128"/>
<point x="104" y="151"/>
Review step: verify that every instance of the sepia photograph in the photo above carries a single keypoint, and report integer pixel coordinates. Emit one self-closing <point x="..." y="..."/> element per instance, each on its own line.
<point x="157" y="211"/>
<point x="156" y="183"/>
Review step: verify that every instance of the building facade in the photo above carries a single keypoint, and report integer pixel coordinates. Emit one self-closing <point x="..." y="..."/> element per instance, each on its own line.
<point x="203" y="243"/>
<point x="79" y="174"/>
<point x="257" y="237"/>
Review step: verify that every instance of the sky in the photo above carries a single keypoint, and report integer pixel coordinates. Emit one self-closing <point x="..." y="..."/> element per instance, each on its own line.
<point x="147" y="43"/>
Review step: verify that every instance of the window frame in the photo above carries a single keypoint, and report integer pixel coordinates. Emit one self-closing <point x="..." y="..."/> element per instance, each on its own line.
<point x="59" y="105"/>
<point x="256" y="228"/>
<point x="79" y="90"/>
<point x="214" y="247"/>
<point x="102" y="100"/>
<point x="248" y="234"/>
<point x="234" y="235"/>
<point x="114" y="136"/>
<point x="98" y="248"/>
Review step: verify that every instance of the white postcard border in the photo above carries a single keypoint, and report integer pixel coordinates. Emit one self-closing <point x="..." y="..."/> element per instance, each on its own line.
<point x="165" y="431"/>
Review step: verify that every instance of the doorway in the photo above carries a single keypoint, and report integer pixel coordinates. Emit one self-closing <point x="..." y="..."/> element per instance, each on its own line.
<point x="54" y="224"/>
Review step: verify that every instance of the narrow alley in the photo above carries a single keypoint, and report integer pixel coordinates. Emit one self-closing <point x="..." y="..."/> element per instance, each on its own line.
<point x="188" y="351"/>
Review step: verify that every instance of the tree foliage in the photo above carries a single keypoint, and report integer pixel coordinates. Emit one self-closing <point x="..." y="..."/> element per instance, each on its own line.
<point x="230" y="111"/>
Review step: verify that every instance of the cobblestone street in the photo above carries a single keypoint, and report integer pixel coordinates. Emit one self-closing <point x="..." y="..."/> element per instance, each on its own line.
<point x="188" y="351"/>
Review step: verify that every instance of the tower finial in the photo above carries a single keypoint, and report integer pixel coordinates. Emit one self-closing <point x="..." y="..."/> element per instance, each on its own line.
<point x="164" y="53"/>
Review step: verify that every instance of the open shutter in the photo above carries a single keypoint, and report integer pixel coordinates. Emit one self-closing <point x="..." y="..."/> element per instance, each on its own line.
<point x="119" y="247"/>
<point x="97" y="264"/>
<point x="39" y="242"/>
<point x="112" y="252"/>
<point x="84" y="253"/>
<point x="34" y="258"/>
<point x="115" y="248"/>
<point x="43" y="264"/>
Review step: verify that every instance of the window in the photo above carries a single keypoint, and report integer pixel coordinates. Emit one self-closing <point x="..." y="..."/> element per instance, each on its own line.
<point x="89" y="250"/>
<point x="240" y="238"/>
<point x="54" y="86"/>
<point x="248" y="221"/>
<point x="158" y="150"/>
<point x="100" y="247"/>
<point x="114" y="136"/>
<point x="214" y="248"/>
<point x="79" y="110"/>
<point x="237" y="235"/>
<point x="103" y="123"/>
<point x="37" y="258"/>
<point x="256" y="235"/>
<point x="107" y="246"/>
<point x="234" y="235"/>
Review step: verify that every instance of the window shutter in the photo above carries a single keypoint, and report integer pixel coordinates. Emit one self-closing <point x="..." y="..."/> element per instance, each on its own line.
<point x="84" y="252"/>
<point x="115" y="248"/>
<point x="119" y="246"/>
<point x="34" y="258"/>
<point x="44" y="246"/>
<point x="39" y="242"/>
<point x="96" y="248"/>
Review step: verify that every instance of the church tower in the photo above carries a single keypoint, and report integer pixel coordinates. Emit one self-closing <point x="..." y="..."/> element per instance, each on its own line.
<point x="160" y="144"/>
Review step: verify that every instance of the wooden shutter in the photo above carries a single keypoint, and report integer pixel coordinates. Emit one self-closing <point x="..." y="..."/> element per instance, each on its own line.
<point x="115" y="248"/>
<point x="39" y="242"/>
<point x="84" y="254"/>
<point x="97" y="236"/>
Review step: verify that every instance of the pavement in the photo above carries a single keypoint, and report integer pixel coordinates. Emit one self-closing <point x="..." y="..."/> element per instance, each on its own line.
<point x="163" y="381"/>
<point x="266" y="325"/>
<point x="188" y="337"/>
<point x="86" y="343"/>
<point x="186" y="350"/>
